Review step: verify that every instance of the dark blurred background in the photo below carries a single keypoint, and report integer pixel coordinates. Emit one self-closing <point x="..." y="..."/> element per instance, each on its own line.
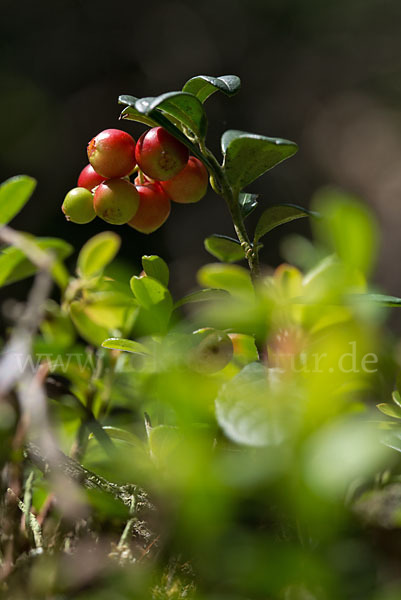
<point x="324" y="73"/>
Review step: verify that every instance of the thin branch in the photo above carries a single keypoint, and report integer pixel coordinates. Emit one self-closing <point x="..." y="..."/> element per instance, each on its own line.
<point x="74" y="472"/>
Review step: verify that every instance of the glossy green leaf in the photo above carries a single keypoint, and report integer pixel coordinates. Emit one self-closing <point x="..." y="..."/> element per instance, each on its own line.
<point x="130" y="113"/>
<point x="277" y="215"/>
<point x="86" y="327"/>
<point x="248" y="203"/>
<point x="247" y="156"/>
<point x="390" y="410"/>
<point x="125" y="346"/>
<point x="224" y="248"/>
<point x="14" y="194"/>
<point x="156" y="267"/>
<point x="184" y="107"/>
<point x="232" y="278"/>
<point x="158" y="118"/>
<point x="203" y="86"/>
<point x="14" y="265"/>
<point x="202" y="296"/>
<point x="97" y="253"/>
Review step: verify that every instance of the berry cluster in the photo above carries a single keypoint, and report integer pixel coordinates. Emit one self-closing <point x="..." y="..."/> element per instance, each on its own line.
<point x="164" y="172"/>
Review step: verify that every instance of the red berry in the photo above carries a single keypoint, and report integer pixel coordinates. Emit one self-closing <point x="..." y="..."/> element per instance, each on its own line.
<point x="154" y="208"/>
<point x="190" y="184"/>
<point x="160" y="155"/>
<point x="116" y="201"/>
<point x="88" y="178"/>
<point x="112" y="153"/>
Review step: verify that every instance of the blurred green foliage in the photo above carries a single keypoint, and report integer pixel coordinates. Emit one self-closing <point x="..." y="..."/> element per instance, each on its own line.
<point x="256" y="470"/>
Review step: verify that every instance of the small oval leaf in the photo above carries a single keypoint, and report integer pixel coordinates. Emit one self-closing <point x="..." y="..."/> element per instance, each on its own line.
<point x="244" y="411"/>
<point x="125" y="346"/>
<point x="130" y="113"/>
<point x="97" y="253"/>
<point x="203" y="86"/>
<point x="202" y="296"/>
<point x="224" y="248"/>
<point x="153" y="297"/>
<point x="390" y="410"/>
<point x="232" y="278"/>
<point x="158" y="118"/>
<point x="248" y="203"/>
<point x="247" y="156"/>
<point x="278" y="215"/>
<point x="156" y="267"/>
<point x="14" y="194"/>
<point x="184" y="107"/>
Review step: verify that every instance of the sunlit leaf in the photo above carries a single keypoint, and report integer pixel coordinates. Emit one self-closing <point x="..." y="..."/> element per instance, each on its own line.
<point x="86" y="327"/>
<point x="97" y="253"/>
<point x="232" y="278"/>
<point x="390" y="410"/>
<point x="125" y="345"/>
<point x="14" y="194"/>
<point x="155" y="298"/>
<point x="224" y="248"/>
<point x="156" y="267"/>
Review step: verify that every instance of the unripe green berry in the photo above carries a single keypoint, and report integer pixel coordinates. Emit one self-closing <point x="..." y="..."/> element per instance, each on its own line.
<point x="212" y="351"/>
<point x="116" y="201"/>
<point x="78" y="206"/>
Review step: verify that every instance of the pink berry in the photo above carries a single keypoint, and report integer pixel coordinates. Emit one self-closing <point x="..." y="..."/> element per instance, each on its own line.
<point x="116" y="201"/>
<point x="154" y="208"/>
<point x="112" y="153"/>
<point x="160" y="155"/>
<point x="190" y="184"/>
<point x="89" y="179"/>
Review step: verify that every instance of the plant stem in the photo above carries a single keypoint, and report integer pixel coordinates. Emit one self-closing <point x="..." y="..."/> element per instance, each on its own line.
<point x="223" y="188"/>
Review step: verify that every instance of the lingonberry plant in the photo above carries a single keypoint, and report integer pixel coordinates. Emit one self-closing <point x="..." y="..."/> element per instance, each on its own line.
<point x="220" y="445"/>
